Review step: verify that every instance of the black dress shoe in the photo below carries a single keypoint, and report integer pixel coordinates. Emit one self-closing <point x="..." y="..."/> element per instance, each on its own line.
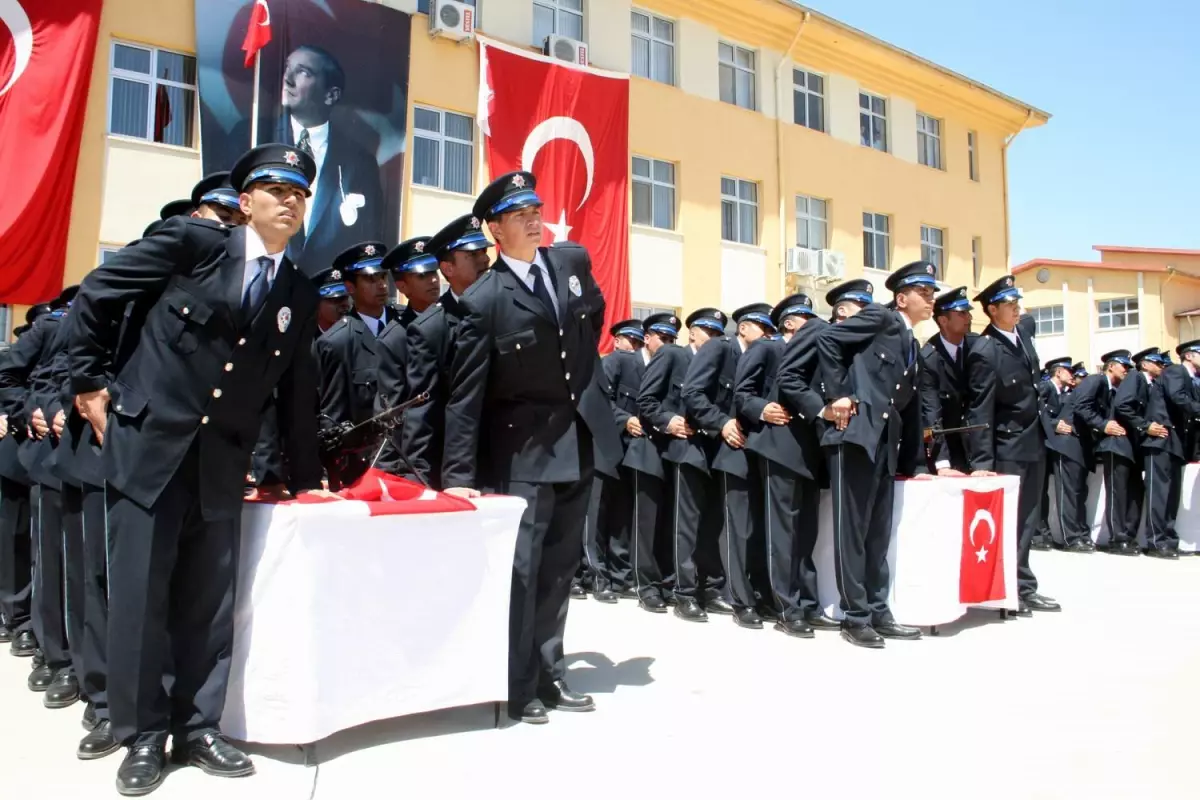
<point x="98" y="743"/>
<point x="23" y="644"/>
<point x="142" y="770"/>
<point x="689" y="610"/>
<point x="89" y="720"/>
<point x="1022" y="610"/>
<point x="559" y="696"/>
<point x="795" y="627"/>
<point x="654" y="604"/>
<point x="1088" y="545"/>
<point x="894" y="630"/>
<point x="820" y="622"/>
<point x="577" y="592"/>
<point x="628" y="593"/>
<point x="1078" y="546"/>
<point x="63" y="692"/>
<point x="1123" y="548"/>
<point x="1039" y="544"/>
<point x="670" y="598"/>
<point x="1037" y="602"/>
<point x="532" y="712"/>
<point x="607" y="596"/>
<point x="862" y="636"/>
<point x="1155" y="552"/>
<point x="40" y="678"/>
<point x="212" y="754"/>
<point x="718" y="605"/>
<point x="747" y="618"/>
<point x="6" y="634"/>
<point x="768" y="613"/>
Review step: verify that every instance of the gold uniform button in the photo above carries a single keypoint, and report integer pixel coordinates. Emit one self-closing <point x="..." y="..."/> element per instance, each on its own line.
<point x="229" y="367"/>
<point x="216" y="392"/>
<point x="204" y="420"/>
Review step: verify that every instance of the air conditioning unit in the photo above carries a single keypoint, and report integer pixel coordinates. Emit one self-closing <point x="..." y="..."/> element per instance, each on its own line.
<point x="831" y="265"/>
<point x="566" y="49"/>
<point x="452" y="20"/>
<point x="801" y="261"/>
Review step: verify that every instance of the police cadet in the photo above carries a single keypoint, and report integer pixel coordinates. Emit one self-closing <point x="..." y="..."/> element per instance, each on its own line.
<point x="1078" y="371"/>
<point x="655" y="408"/>
<point x="1002" y="373"/>
<point x="517" y="422"/>
<point x="775" y="398"/>
<point x="1096" y="402"/>
<point x="1130" y="405"/>
<point x="461" y="251"/>
<point x="1066" y="458"/>
<point x="335" y="298"/>
<point x="213" y="198"/>
<point x="227" y="319"/>
<point x="944" y="380"/>
<point x="1154" y="424"/>
<point x="708" y="397"/>
<point x="1175" y="405"/>
<point x="869" y="366"/>
<point x="696" y="521"/>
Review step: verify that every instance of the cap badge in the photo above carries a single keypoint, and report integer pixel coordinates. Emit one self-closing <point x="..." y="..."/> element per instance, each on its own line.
<point x="719" y="316"/>
<point x="573" y="285"/>
<point x="419" y="247"/>
<point x="369" y="249"/>
<point x="929" y="269"/>
<point x="518" y="181"/>
<point x="283" y="319"/>
<point x="474" y="223"/>
<point x="291" y="158"/>
<point x="870" y="289"/>
<point x="674" y="321"/>
<point x="336" y="275"/>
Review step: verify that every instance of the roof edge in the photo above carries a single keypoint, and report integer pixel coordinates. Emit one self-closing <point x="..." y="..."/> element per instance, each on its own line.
<point x="1101" y="265"/>
<point x="1160" y="251"/>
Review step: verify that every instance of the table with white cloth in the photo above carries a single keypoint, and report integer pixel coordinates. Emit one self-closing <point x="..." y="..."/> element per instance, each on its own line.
<point x="344" y="617"/>
<point x="927" y="544"/>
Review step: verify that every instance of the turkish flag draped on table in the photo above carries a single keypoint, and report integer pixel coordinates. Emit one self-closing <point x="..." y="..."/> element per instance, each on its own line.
<point x="569" y="126"/>
<point x="46" y="52"/>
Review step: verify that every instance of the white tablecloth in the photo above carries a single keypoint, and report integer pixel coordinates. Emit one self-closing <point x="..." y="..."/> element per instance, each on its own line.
<point x="926" y="548"/>
<point x="343" y="618"/>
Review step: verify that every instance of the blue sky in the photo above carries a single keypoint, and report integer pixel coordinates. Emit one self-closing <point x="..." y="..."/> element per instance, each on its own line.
<point x="1119" y="162"/>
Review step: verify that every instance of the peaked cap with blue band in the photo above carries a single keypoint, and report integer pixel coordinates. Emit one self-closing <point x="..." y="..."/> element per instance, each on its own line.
<point x="1001" y="290"/>
<point x="464" y="233"/>
<point x="665" y="323"/>
<point x="712" y="318"/>
<point x="858" y="290"/>
<point x="953" y="300"/>
<point x="918" y="273"/>
<point x="756" y="312"/>
<point x="175" y="208"/>
<point x="509" y="192"/>
<point x="790" y="306"/>
<point x="1188" y="347"/>
<point x="331" y="284"/>
<point x="274" y="163"/>
<point x="631" y="328"/>
<point x="1079" y="370"/>
<point x="215" y="188"/>
<point x="1142" y="355"/>
<point x="1158" y="357"/>
<point x="1058" y="363"/>
<point x="364" y="258"/>
<point x="411" y="257"/>
<point x="1119" y="356"/>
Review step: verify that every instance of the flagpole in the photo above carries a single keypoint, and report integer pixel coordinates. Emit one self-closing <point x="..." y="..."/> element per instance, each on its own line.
<point x="254" y="102"/>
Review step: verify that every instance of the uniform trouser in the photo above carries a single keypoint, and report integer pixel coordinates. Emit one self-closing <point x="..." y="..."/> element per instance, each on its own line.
<point x="647" y="500"/>
<point x="606" y="535"/>
<point x="1044" y="531"/>
<point x="171" y="594"/>
<point x="1124" y="486"/>
<point x="1164" y="480"/>
<point x="16" y="565"/>
<point x="862" y="530"/>
<point x="74" y="574"/>
<point x="1070" y="494"/>
<point x="697" y="532"/>
<point x="791" y="505"/>
<point x="92" y="651"/>
<point x="740" y="551"/>
<point x="1029" y="513"/>
<point x="48" y="608"/>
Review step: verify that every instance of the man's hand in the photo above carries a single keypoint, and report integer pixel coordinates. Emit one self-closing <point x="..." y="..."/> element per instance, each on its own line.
<point x="3" y="425"/>
<point x="1157" y="431"/>
<point x="984" y="473"/>
<point x="38" y="421"/>
<point x="732" y="434"/>
<point x="274" y="492"/>
<point x="1063" y="427"/>
<point x="1113" y="428"/>
<point x="923" y="476"/>
<point x="319" y="493"/>
<point x="463" y="492"/>
<point x="679" y="428"/>
<point x="60" y="421"/>
<point x="634" y="426"/>
<point x="950" y="472"/>
<point x="93" y="406"/>
<point x="776" y="414"/>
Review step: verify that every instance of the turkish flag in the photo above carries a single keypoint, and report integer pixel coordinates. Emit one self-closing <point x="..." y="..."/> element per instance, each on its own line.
<point x="258" y="31"/>
<point x="46" y="52"/>
<point x="981" y="568"/>
<point x="569" y="126"/>
<point x="385" y="495"/>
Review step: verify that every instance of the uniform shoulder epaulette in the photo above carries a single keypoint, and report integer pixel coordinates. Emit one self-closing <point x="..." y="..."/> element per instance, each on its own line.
<point x="209" y="224"/>
<point x="566" y="244"/>
<point x="476" y="287"/>
<point x="432" y="313"/>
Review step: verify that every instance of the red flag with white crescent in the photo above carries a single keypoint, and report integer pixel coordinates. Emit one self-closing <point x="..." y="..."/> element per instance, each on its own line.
<point x="981" y="568"/>
<point x="258" y="32"/>
<point x="569" y="126"/>
<point x="46" y="54"/>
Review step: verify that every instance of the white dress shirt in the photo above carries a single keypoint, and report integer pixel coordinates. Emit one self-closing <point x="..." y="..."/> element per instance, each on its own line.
<point x="1012" y="337"/>
<point x="318" y="140"/>
<point x="374" y="324"/>
<point x="255" y="249"/>
<point x="645" y="351"/>
<point x="524" y="271"/>
<point x="951" y="348"/>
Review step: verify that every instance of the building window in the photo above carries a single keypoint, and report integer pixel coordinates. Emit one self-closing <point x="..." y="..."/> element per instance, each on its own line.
<point x="653" y="47"/>
<point x="872" y="121"/>
<point x="5" y="323"/>
<point x="654" y="193"/>
<point x="808" y="99"/>
<point x="933" y="248"/>
<point x="152" y="95"/>
<point x="929" y="141"/>
<point x="739" y="210"/>
<point x="641" y="312"/>
<point x="877" y="242"/>
<point x="977" y="258"/>
<point x="107" y="252"/>
<point x="1119" y="313"/>
<point x="973" y="155"/>
<point x="812" y="223"/>
<point x="736" y="75"/>
<point x="443" y="150"/>
<point x="561" y="17"/>
<point x="1050" y="320"/>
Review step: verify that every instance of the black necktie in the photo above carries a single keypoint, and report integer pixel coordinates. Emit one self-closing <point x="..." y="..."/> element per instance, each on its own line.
<point x="910" y="345"/>
<point x="305" y="143"/>
<point x="256" y="292"/>
<point x="958" y="358"/>
<point x="540" y="291"/>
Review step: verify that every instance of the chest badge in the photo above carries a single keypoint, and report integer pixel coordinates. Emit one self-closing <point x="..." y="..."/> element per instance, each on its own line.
<point x="573" y="285"/>
<point x="283" y="319"/>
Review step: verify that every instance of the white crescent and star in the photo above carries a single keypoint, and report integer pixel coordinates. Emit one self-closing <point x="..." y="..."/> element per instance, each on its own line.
<point x="13" y="15"/>
<point x="982" y="515"/>
<point x="572" y="130"/>
<point x="267" y="9"/>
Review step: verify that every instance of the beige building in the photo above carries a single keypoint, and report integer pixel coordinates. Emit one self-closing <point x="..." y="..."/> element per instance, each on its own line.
<point x="1133" y="298"/>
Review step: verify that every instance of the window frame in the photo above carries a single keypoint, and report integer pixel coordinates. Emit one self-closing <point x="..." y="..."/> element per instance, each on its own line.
<point x="1125" y="312"/>
<point x="809" y="220"/>
<point x="558" y="9"/>
<point x="151" y="80"/>
<point x="6" y="320"/>
<point x="1047" y="315"/>
<point x="738" y="202"/>
<point x="441" y="138"/>
<point x="106" y="248"/>
<point x="976" y="258"/>
<point x="929" y="248"/>
<point x="807" y="92"/>
<point x="653" y="182"/>
<point x="652" y="40"/>
<point x="871" y="96"/>
<point x="635" y="308"/>
<point x="973" y="156"/>
<point x="752" y="70"/>
<point x="925" y="137"/>
<point x="869" y="230"/>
